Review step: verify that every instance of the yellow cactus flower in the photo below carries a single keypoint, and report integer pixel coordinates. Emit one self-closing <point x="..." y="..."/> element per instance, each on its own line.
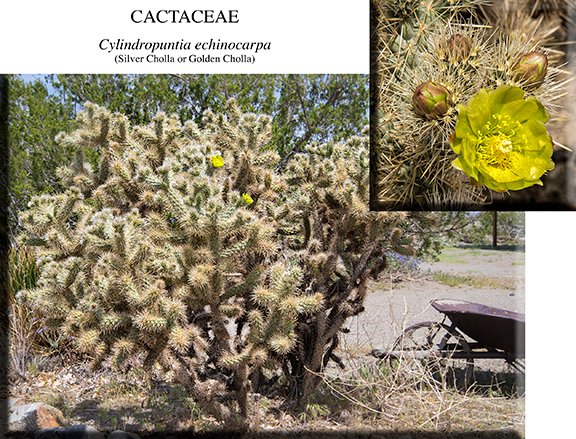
<point x="217" y="161"/>
<point x="501" y="139"/>
<point x="247" y="199"/>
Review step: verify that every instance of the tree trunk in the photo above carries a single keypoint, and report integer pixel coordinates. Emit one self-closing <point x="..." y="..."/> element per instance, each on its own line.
<point x="202" y="393"/>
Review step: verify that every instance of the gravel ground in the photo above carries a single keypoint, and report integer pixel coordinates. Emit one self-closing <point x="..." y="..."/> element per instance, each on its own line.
<point x="392" y="307"/>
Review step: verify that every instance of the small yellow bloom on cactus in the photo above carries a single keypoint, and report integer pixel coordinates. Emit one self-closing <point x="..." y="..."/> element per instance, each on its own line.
<point x="531" y="69"/>
<point x="501" y="139"/>
<point x="431" y="100"/>
<point x="247" y="199"/>
<point x="217" y="161"/>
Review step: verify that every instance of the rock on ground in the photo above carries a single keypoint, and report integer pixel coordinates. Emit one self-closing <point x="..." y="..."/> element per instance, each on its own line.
<point x="36" y="416"/>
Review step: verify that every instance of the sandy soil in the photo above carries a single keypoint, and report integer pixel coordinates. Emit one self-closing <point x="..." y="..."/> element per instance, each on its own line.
<point x="391" y="307"/>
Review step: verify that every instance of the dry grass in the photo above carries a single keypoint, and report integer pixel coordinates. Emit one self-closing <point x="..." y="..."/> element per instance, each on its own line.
<point x="368" y="395"/>
<point x="474" y="281"/>
<point x="407" y="396"/>
<point x="30" y="341"/>
<point x="23" y="329"/>
<point x="456" y="280"/>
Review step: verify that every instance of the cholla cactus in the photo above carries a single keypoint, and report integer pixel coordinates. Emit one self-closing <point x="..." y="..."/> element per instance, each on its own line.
<point x="539" y="21"/>
<point x="405" y="24"/>
<point x="419" y="103"/>
<point x="340" y="245"/>
<point x="183" y="248"/>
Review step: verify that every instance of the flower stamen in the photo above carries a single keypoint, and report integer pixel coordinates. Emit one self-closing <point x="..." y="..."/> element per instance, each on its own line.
<point x="498" y="139"/>
<point x="494" y="151"/>
<point x="505" y="146"/>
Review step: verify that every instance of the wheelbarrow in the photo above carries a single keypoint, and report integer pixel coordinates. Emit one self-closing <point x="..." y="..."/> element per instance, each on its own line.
<point x="475" y="332"/>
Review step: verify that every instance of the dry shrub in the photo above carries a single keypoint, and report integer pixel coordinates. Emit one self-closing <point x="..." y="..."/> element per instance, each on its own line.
<point x="23" y="273"/>
<point x="405" y="395"/>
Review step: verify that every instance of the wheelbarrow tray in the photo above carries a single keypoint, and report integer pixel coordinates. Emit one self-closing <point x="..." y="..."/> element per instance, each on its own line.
<point x="493" y="328"/>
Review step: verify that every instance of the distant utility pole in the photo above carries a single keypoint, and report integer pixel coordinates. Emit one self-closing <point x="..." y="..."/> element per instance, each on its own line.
<point x="494" y="229"/>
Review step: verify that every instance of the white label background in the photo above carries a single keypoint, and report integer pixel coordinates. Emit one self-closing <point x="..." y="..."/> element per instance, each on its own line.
<point x="307" y="36"/>
<point x="551" y="323"/>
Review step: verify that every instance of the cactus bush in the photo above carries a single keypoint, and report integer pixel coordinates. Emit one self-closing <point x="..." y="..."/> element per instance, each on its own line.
<point x="187" y="250"/>
<point x="432" y="59"/>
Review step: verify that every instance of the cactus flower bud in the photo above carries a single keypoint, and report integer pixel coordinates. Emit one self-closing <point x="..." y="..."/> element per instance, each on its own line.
<point x="431" y="100"/>
<point x="530" y="69"/>
<point x="458" y="47"/>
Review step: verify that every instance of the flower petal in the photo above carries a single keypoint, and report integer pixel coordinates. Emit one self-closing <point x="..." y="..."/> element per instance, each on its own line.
<point x="498" y="173"/>
<point x="520" y="110"/>
<point x="469" y="151"/>
<point x="463" y="127"/>
<point x="543" y="114"/>
<point x="490" y="183"/>
<point x="538" y="167"/>
<point x="504" y="95"/>
<point x="456" y="144"/>
<point x="537" y="138"/>
<point x="467" y="168"/>
<point x="478" y="110"/>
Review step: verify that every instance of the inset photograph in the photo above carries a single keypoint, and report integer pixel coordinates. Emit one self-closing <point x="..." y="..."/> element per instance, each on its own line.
<point x="470" y="105"/>
<point x="195" y="254"/>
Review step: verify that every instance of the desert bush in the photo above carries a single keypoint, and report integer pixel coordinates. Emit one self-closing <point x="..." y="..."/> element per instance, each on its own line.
<point x="188" y="251"/>
<point x="22" y="274"/>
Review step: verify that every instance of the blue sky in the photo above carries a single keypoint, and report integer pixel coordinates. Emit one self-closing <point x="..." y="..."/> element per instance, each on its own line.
<point x="38" y="77"/>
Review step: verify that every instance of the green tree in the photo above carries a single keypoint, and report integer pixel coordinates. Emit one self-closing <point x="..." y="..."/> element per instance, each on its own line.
<point x="36" y="117"/>
<point x="319" y="108"/>
<point x="478" y="228"/>
<point x="305" y="108"/>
